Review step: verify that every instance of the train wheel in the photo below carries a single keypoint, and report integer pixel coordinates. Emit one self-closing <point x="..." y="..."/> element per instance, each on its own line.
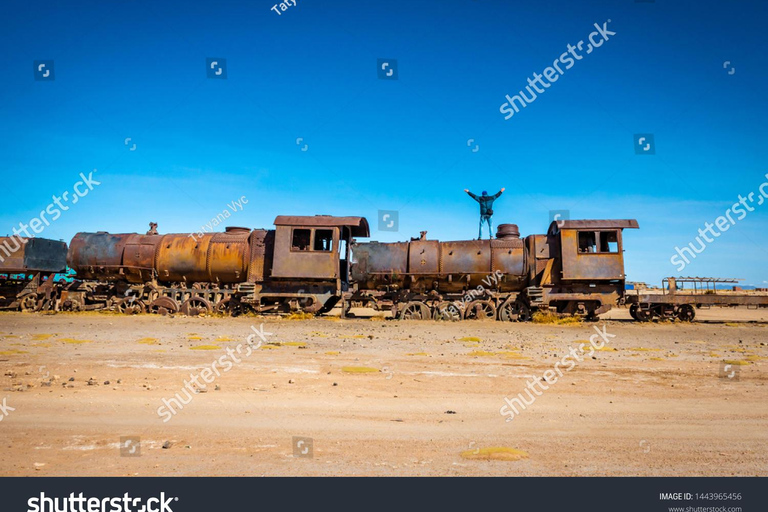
<point x="195" y="306"/>
<point x="130" y="306"/>
<point x="71" y="305"/>
<point x="524" y="312"/>
<point x="514" y="311"/>
<point x="686" y="313"/>
<point x="633" y="312"/>
<point x="509" y="311"/>
<point x="230" y="307"/>
<point x="29" y="303"/>
<point x="415" y="311"/>
<point x="643" y="315"/>
<point x="447" y="311"/>
<point x="480" y="310"/>
<point x="163" y="306"/>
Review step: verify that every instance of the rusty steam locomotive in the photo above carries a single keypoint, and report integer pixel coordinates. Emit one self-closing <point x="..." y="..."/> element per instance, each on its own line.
<point x="315" y="263"/>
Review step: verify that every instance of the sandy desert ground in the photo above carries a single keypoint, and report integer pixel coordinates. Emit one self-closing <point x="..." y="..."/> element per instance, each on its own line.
<point x="381" y="397"/>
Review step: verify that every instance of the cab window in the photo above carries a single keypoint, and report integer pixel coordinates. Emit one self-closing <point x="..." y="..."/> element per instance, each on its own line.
<point x="323" y="240"/>
<point x="300" y="240"/>
<point x="609" y="241"/>
<point x="592" y="242"/>
<point x="587" y="241"/>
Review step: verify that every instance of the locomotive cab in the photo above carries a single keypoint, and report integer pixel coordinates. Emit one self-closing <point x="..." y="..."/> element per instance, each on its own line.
<point x="591" y="249"/>
<point x="579" y="266"/>
<point x="315" y="248"/>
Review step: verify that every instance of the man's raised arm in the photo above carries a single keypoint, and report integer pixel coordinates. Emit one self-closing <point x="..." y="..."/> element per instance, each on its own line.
<point x="473" y="196"/>
<point x="499" y="193"/>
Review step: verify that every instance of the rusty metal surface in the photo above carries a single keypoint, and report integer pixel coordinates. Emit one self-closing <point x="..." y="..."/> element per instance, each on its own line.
<point x="374" y="260"/>
<point x="213" y="257"/>
<point x="465" y="257"/>
<point x="508" y="256"/>
<point x="507" y="231"/>
<point x="306" y="263"/>
<point x="357" y="225"/>
<point x="589" y="266"/>
<point x="594" y="224"/>
<point x="139" y="258"/>
<point x="258" y="242"/>
<point x="97" y="255"/>
<point x="452" y="266"/>
<point x="424" y="257"/>
<point x="700" y="298"/>
<point x="36" y="255"/>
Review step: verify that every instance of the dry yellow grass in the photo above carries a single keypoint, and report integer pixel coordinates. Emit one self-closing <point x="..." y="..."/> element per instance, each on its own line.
<point x="540" y="317"/>
<point x="358" y="369"/>
<point x="73" y="341"/>
<point x="494" y="453"/>
<point x="481" y="353"/>
<point x="299" y="315"/>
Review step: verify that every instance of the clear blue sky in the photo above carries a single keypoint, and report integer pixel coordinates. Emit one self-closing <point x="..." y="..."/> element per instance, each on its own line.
<point x="137" y="69"/>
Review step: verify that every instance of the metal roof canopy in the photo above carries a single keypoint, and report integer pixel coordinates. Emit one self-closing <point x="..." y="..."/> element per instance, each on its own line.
<point x="358" y="225"/>
<point x="706" y="279"/>
<point x="558" y="225"/>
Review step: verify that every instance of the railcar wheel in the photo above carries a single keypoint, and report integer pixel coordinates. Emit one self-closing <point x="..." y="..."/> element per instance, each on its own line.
<point x="643" y="315"/>
<point x="130" y="306"/>
<point x="633" y="312"/>
<point x="230" y="307"/>
<point x="195" y="306"/>
<point x="509" y="311"/>
<point x="686" y="313"/>
<point x="480" y="310"/>
<point x="447" y="311"/>
<point x="163" y="306"/>
<point x="514" y="311"/>
<point x="71" y="305"/>
<point x="415" y="311"/>
<point x="29" y="303"/>
<point x="524" y="312"/>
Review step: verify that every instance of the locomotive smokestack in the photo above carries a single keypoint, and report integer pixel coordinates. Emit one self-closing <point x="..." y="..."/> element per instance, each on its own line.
<point x="507" y="231"/>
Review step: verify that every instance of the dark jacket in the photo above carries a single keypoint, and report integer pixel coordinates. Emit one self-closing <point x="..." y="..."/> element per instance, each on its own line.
<point x="486" y="202"/>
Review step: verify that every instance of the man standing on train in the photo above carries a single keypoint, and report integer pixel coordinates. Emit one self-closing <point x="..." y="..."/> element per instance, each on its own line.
<point x="486" y="210"/>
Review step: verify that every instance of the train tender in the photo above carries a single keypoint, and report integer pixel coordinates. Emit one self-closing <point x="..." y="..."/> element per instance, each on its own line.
<point x="311" y="264"/>
<point x="27" y="268"/>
